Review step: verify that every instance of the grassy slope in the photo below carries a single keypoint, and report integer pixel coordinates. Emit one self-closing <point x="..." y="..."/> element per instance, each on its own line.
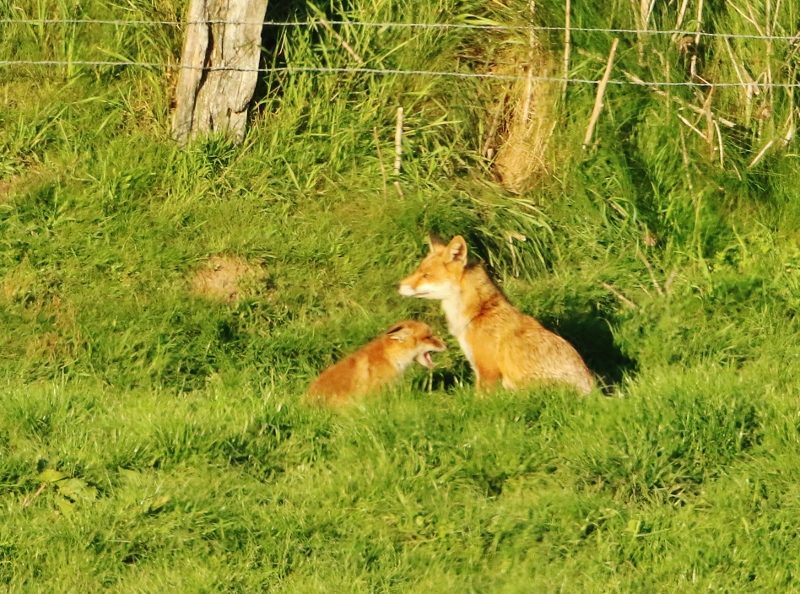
<point x="197" y="469"/>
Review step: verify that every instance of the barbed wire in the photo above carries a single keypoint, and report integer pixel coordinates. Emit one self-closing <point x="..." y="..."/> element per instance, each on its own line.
<point x="390" y="71"/>
<point x="466" y="26"/>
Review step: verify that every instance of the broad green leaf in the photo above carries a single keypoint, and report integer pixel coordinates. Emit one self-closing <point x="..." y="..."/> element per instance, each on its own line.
<point x="64" y="505"/>
<point x="76" y="489"/>
<point x="51" y="475"/>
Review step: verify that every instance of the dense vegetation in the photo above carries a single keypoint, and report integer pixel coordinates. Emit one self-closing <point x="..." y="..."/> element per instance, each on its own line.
<point x="153" y="440"/>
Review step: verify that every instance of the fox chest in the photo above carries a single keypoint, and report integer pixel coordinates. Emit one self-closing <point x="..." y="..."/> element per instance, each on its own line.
<point x="458" y="323"/>
<point x="466" y="347"/>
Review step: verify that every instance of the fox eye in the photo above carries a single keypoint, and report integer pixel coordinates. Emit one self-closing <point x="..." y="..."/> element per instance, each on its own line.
<point x="425" y="275"/>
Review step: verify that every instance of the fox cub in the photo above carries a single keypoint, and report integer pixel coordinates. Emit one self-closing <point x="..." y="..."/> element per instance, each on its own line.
<point x="377" y="364"/>
<point x="500" y="342"/>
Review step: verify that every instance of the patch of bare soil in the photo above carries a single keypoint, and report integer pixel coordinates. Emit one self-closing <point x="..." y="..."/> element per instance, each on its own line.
<point x="226" y="279"/>
<point x="5" y="191"/>
<point x="18" y="283"/>
<point x="22" y="181"/>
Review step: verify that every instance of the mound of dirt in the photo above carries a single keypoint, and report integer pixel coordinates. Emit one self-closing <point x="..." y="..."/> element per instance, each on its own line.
<point x="226" y="279"/>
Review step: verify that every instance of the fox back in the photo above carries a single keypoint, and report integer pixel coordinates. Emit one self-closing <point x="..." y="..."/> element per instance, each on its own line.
<point x="499" y="341"/>
<point x="377" y="364"/>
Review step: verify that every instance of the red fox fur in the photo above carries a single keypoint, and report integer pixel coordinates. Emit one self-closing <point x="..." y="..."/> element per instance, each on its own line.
<point x="376" y="364"/>
<point x="500" y="342"/>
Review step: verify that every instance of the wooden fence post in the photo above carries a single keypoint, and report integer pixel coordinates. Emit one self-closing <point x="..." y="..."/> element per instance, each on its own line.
<point x="218" y="75"/>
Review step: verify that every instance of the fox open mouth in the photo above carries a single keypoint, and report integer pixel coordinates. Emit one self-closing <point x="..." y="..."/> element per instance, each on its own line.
<point x="426" y="360"/>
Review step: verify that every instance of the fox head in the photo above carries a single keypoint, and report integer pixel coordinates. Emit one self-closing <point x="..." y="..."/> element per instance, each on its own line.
<point x="416" y="341"/>
<point x="439" y="274"/>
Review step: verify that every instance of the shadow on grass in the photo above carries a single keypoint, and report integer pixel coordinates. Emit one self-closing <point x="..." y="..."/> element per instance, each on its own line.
<point x="590" y="333"/>
<point x="448" y="378"/>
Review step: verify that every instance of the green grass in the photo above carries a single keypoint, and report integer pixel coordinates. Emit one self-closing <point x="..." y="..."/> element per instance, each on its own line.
<point x="169" y="432"/>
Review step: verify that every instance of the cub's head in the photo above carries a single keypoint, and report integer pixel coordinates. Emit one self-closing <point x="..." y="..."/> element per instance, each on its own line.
<point x="416" y="340"/>
<point x="439" y="274"/>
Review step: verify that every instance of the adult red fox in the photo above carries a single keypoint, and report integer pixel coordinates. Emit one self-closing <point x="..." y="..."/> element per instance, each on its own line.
<point x="377" y="364"/>
<point x="500" y="342"/>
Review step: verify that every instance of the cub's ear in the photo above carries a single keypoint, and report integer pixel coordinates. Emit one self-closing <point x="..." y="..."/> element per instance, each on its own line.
<point x="399" y="332"/>
<point x="457" y="250"/>
<point x="435" y="242"/>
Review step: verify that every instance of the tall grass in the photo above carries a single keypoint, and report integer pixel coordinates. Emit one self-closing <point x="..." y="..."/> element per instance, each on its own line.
<point x="152" y="440"/>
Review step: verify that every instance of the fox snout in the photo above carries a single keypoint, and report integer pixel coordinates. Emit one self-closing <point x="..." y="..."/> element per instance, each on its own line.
<point x="432" y="344"/>
<point x="422" y="285"/>
<point x="407" y="288"/>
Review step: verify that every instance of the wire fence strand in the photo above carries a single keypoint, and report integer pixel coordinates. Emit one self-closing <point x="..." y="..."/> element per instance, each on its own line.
<point x="382" y="25"/>
<point x="389" y="71"/>
<point x="795" y="39"/>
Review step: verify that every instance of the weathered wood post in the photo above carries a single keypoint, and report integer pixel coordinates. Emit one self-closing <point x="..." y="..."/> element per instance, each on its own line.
<point x="219" y="68"/>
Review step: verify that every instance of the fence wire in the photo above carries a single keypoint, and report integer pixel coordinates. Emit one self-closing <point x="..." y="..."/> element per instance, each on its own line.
<point x="395" y="25"/>
<point x="389" y="71"/>
<point x="794" y="39"/>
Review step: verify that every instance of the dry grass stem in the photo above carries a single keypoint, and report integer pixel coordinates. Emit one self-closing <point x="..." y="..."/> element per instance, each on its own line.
<point x="601" y="89"/>
<point x="686" y="162"/>
<point x="531" y="55"/>
<point x="790" y="129"/>
<point x="487" y="150"/>
<point x="692" y="126"/>
<point x="684" y="104"/>
<point x="721" y="148"/>
<point x="770" y="88"/>
<point x="627" y="302"/>
<point x="668" y="285"/>
<point x="741" y="72"/>
<point x="745" y="80"/>
<point x="699" y="23"/>
<point x="646" y="262"/>
<point x="775" y="16"/>
<point x="709" y="123"/>
<point x="567" y="48"/>
<point x="753" y="18"/>
<point x="342" y="41"/>
<point x="693" y="67"/>
<point x="512" y="235"/>
<point x="526" y="109"/>
<point x="28" y="500"/>
<point x="761" y="154"/>
<point x="380" y="158"/>
<point x="679" y="21"/>
<point x="643" y="12"/>
<point x="745" y="17"/>
<point x="398" y="141"/>
<point x="617" y="209"/>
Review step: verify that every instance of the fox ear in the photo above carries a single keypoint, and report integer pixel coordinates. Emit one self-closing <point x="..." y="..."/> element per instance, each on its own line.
<point x="399" y="332"/>
<point x="457" y="250"/>
<point x="435" y="242"/>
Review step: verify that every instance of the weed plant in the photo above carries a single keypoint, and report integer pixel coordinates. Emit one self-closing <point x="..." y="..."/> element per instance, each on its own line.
<point x="153" y="441"/>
